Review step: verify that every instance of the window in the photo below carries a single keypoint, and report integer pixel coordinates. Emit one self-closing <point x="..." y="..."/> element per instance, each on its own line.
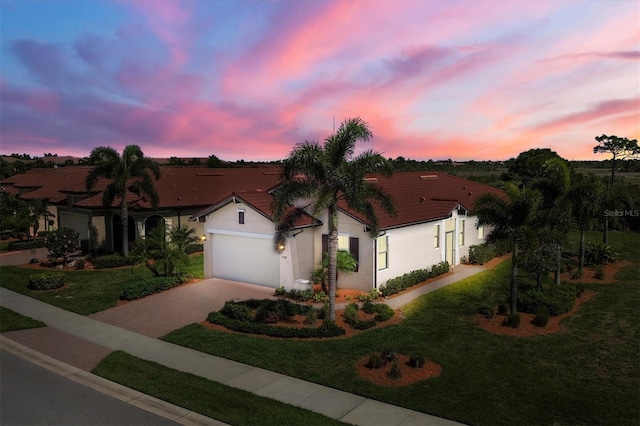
<point x="480" y="232"/>
<point x="436" y="236"/>
<point x="383" y="252"/>
<point x="241" y="217"/>
<point x="461" y="237"/>
<point x="346" y="243"/>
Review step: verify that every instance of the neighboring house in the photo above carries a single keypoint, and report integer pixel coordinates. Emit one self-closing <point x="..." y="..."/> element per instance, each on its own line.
<point x="182" y="192"/>
<point x="434" y="223"/>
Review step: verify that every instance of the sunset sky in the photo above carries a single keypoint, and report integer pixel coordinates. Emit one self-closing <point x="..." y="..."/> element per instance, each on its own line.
<point x="466" y="80"/>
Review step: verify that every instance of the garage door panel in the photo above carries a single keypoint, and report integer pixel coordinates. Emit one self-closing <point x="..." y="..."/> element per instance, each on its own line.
<point x="245" y="259"/>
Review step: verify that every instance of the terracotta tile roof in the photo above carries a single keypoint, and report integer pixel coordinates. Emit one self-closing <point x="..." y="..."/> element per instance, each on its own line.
<point x="47" y="183"/>
<point x="424" y="196"/>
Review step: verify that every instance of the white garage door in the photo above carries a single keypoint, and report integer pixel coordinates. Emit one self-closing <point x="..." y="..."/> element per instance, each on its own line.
<point x="246" y="259"/>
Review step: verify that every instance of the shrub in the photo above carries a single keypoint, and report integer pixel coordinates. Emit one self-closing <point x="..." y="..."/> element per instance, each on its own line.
<point x="141" y="288"/>
<point x="542" y="317"/>
<point x="280" y="291"/>
<point x="598" y="254"/>
<point x="599" y="273"/>
<point x="481" y="254"/>
<point x="557" y="299"/>
<point x="580" y="288"/>
<point x="323" y="313"/>
<point x="109" y="261"/>
<point x="319" y="297"/>
<point x="80" y="264"/>
<point x="62" y="242"/>
<point x="301" y="295"/>
<point x="194" y="248"/>
<point x="383" y="312"/>
<point x="375" y="361"/>
<point x="133" y="259"/>
<point x="351" y="314"/>
<point x="46" y="281"/>
<point x="503" y="308"/>
<point x="236" y="311"/>
<point x="394" y="372"/>
<point x="388" y="355"/>
<point x="416" y="361"/>
<point x="312" y="317"/>
<point x="26" y="245"/>
<point x="486" y="311"/>
<point x="512" y="320"/>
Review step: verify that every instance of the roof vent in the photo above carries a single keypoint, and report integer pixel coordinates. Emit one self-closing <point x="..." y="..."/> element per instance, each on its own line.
<point x="470" y="193"/>
<point x="372" y="179"/>
<point x="210" y="174"/>
<point x="422" y="200"/>
<point x="429" y="177"/>
<point x="464" y="187"/>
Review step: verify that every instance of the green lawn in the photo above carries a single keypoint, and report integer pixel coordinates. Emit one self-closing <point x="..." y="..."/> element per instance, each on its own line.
<point x="11" y="321"/>
<point x="215" y="400"/>
<point x="589" y="374"/>
<point x="87" y="291"/>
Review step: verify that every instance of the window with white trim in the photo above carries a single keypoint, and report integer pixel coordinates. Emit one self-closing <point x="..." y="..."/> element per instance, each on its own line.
<point x="480" y="232"/>
<point x="436" y="236"/>
<point x="383" y="252"/>
<point x="461" y="237"/>
<point x="241" y="216"/>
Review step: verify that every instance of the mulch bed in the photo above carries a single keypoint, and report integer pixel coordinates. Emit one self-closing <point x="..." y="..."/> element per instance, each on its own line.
<point x="526" y="328"/>
<point x="588" y="273"/>
<point x="410" y="375"/>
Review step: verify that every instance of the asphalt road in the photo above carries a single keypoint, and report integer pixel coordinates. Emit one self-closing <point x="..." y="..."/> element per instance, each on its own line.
<point x="32" y="395"/>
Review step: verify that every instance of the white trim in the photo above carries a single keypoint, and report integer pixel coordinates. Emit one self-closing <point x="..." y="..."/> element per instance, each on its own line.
<point x="239" y="234"/>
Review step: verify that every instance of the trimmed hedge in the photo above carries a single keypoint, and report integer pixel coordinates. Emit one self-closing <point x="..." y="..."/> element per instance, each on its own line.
<point x="398" y="284"/>
<point x="327" y="329"/>
<point x="194" y="248"/>
<point x="142" y="288"/>
<point x="116" y="261"/>
<point x="482" y="253"/>
<point x="557" y="300"/>
<point x="46" y="281"/>
<point x="26" y="245"/>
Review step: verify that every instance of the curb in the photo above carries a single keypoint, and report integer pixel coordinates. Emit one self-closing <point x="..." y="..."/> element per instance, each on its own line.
<point x="156" y="406"/>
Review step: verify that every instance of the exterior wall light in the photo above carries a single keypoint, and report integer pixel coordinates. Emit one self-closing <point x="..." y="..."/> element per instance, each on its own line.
<point x="203" y="238"/>
<point x="281" y="246"/>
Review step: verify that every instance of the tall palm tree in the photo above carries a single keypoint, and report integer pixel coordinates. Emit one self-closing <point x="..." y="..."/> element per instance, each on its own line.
<point x="511" y="217"/>
<point x="129" y="172"/>
<point x="327" y="174"/>
<point x="586" y="196"/>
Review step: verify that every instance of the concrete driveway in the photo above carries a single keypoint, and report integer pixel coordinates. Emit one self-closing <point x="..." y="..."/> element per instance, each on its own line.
<point x="157" y="315"/>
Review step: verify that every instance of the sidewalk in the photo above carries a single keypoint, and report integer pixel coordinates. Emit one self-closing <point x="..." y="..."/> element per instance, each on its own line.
<point x="88" y="335"/>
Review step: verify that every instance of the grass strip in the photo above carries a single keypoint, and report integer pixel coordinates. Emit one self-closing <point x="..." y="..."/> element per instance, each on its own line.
<point x="12" y="321"/>
<point x="212" y="399"/>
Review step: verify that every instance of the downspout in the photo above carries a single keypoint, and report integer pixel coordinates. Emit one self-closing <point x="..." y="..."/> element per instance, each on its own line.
<point x="375" y="263"/>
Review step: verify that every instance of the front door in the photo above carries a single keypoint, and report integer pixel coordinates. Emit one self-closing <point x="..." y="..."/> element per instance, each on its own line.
<point x="448" y="247"/>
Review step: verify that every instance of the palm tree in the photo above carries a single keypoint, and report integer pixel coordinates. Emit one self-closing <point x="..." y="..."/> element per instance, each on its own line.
<point x="39" y="210"/>
<point x="511" y="217"/>
<point x="129" y="172"/>
<point x="586" y="196"/>
<point x="326" y="175"/>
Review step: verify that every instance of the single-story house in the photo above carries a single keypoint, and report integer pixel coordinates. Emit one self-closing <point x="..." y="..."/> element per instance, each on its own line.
<point x="435" y="223"/>
<point x="182" y="192"/>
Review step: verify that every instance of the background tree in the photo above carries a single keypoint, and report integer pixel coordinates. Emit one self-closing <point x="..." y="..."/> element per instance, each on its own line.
<point x="39" y="210"/>
<point x="511" y="217"/>
<point x="130" y="172"/>
<point x="326" y="175"/>
<point x="531" y="165"/>
<point x="620" y="149"/>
